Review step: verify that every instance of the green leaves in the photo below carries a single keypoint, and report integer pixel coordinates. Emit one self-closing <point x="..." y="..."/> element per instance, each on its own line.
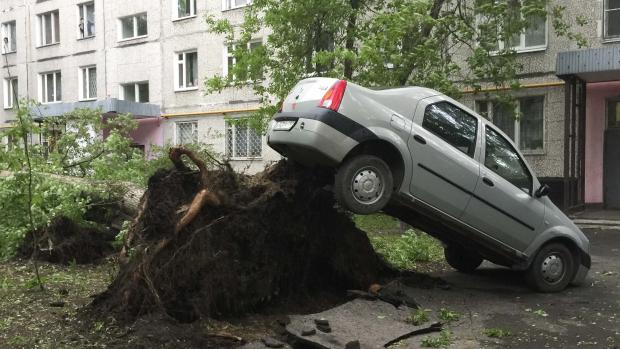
<point x="441" y="44"/>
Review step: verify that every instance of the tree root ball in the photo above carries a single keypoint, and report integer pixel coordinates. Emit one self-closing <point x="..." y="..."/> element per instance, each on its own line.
<point x="273" y="236"/>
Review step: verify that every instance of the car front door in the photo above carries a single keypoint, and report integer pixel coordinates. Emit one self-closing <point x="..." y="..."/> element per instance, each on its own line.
<point x="444" y="149"/>
<point x="503" y="205"/>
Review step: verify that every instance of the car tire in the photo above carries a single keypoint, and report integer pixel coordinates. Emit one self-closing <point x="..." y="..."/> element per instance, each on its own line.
<point x="462" y="260"/>
<point x="364" y="184"/>
<point x="552" y="269"/>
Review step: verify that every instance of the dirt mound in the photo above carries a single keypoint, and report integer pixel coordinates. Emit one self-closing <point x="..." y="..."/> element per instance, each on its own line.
<point x="212" y="242"/>
<point x="65" y="241"/>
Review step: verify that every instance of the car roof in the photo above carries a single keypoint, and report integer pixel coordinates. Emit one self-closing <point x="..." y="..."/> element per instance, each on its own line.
<point x="411" y="91"/>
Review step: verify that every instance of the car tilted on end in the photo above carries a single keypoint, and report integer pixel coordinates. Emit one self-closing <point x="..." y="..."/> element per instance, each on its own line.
<point x="430" y="161"/>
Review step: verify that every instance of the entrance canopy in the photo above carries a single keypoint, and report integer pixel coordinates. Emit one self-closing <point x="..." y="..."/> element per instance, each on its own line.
<point x="591" y="65"/>
<point x="577" y="69"/>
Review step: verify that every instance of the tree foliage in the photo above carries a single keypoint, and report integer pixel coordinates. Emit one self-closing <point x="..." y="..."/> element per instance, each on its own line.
<point x="72" y="145"/>
<point x="441" y="44"/>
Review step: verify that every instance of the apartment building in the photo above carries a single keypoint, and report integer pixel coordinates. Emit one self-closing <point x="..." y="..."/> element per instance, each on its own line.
<point x="569" y="109"/>
<point x="147" y="58"/>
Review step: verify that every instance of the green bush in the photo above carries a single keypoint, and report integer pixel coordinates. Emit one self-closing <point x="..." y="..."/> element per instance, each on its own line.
<point x="408" y="249"/>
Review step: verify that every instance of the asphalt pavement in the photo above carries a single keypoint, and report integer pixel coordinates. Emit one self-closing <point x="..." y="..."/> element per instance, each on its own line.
<point x="496" y="298"/>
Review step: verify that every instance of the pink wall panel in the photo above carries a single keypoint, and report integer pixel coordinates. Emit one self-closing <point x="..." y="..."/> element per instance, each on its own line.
<point x="597" y="94"/>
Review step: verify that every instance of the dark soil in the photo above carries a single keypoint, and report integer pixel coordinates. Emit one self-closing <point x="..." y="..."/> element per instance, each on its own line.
<point x="277" y="238"/>
<point x="65" y="241"/>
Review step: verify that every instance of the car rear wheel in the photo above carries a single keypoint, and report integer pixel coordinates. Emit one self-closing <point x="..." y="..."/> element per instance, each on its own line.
<point x="462" y="260"/>
<point x="552" y="269"/>
<point x="364" y="184"/>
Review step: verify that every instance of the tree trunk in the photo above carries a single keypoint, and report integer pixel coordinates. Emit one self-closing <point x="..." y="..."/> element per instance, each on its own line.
<point x="129" y="193"/>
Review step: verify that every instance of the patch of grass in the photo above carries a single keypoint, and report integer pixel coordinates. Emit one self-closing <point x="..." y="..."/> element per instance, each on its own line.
<point x="448" y="316"/>
<point x="418" y="317"/>
<point x="376" y="223"/>
<point x="408" y="249"/>
<point x="541" y="312"/>
<point x="497" y="332"/>
<point x="442" y="341"/>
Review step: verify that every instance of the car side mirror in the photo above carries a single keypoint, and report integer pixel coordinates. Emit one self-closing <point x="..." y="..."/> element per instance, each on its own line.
<point x="542" y="191"/>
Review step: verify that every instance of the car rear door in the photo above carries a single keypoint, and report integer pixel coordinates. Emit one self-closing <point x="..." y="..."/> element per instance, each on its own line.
<point x="444" y="145"/>
<point x="503" y="205"/>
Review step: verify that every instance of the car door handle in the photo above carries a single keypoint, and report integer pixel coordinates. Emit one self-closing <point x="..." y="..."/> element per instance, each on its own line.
<point x="488" y="181"/>
<point x="419" y="139"/>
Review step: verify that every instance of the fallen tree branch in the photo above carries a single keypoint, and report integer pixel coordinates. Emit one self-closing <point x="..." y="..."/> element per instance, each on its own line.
<point x="435" y="327"/>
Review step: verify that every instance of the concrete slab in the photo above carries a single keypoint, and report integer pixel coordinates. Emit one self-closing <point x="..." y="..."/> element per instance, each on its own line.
<point x="372" y="323"/>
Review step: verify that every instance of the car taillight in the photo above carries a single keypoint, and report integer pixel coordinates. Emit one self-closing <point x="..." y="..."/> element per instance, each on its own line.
<point x="333" y="96"/>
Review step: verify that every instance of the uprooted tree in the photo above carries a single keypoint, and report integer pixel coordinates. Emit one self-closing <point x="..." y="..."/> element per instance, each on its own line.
<point x="210" y="242"/>
<point x="442" y="44"/>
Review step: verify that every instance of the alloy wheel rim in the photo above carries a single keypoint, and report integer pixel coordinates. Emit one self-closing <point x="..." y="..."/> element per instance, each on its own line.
<point x="367" y="186"/>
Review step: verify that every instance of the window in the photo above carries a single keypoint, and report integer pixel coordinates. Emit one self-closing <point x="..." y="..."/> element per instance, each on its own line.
<point x="231" y="61"/>
<point x="533" y="37"/>
<point x="135" y="92"/>
<point x="613" y="114"/>
<point x="527" y="129"/>
<point x="452" y="125"/>
<point x="50" y="87"/>
<point x="49" y="28"/>
<point x="242" y="141"/>
<point x="185" y="8"/>
<point x="186" y="71"/>
<point x="186" y="132"/>
<point x="88" y="83"/>
<point x="9" y="37"/>
<point x="232" y="4"/>
<point x="10" y="93"/>
<point x="612" y="19"/>
<point x="502" y="159"/>
<point x="132" y="27"/>
<point x="86" y="14"/>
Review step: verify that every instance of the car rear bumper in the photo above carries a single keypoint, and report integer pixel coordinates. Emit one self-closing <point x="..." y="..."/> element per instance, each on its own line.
<point x="322" y="137"/>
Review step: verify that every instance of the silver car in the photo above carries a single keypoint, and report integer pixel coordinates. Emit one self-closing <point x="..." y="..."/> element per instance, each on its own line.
<point x="432" y="162"/>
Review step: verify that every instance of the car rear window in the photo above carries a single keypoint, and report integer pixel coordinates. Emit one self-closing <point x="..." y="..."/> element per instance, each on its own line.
<point x="453" y="125"/>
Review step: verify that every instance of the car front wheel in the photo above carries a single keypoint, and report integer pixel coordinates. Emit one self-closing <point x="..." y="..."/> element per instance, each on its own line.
<point x="461" y="259"/>
<point x="364" y="184"/>
<point x="552" y="269"/>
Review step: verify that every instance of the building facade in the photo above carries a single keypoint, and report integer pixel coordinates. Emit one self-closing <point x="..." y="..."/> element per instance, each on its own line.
<point x="147" y="58"/>
<point x="567" y="140"/>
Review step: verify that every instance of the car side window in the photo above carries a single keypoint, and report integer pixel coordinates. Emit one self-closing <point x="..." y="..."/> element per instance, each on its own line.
<point x="453" y="125"/>
<point x="501" y="158"/>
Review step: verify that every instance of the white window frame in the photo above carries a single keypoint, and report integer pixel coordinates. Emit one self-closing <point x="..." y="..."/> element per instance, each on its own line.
<point x="517" y="126"/>
<point x="175" y="10"/>
<point x="134" y="19"/>
<point x="54" y="17"/>
<point x="136" y="86"/>
<point x="194" y="125"/>
<point x="231" y="152"/>
<point x="606" y="11"/>
<point x="229" y="5"/>
<point x="82" y="13"/>
<point x="183" y="62"/>
<point x="82" y="83"/>
<point x="7" y="33"/>
<point x="228" y="54"/>
<point x="43" y="87"/>
<point x="9" y="96"/>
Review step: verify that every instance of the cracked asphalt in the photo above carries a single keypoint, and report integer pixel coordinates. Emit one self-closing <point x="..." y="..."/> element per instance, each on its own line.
<point x="586" y="316"/>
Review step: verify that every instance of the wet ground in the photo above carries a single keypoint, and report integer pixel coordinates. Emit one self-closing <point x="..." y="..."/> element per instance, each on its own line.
<point x="495" y="299"/>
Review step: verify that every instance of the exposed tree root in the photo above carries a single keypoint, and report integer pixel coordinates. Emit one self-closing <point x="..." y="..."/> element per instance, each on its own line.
<point x="215" y="243"/>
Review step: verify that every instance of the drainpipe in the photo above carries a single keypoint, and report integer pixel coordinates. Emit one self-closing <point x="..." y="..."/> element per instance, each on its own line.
<point x="567" y="117"/>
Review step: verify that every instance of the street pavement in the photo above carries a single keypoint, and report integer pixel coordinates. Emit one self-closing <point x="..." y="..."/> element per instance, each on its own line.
<point x="493" y="297"/>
